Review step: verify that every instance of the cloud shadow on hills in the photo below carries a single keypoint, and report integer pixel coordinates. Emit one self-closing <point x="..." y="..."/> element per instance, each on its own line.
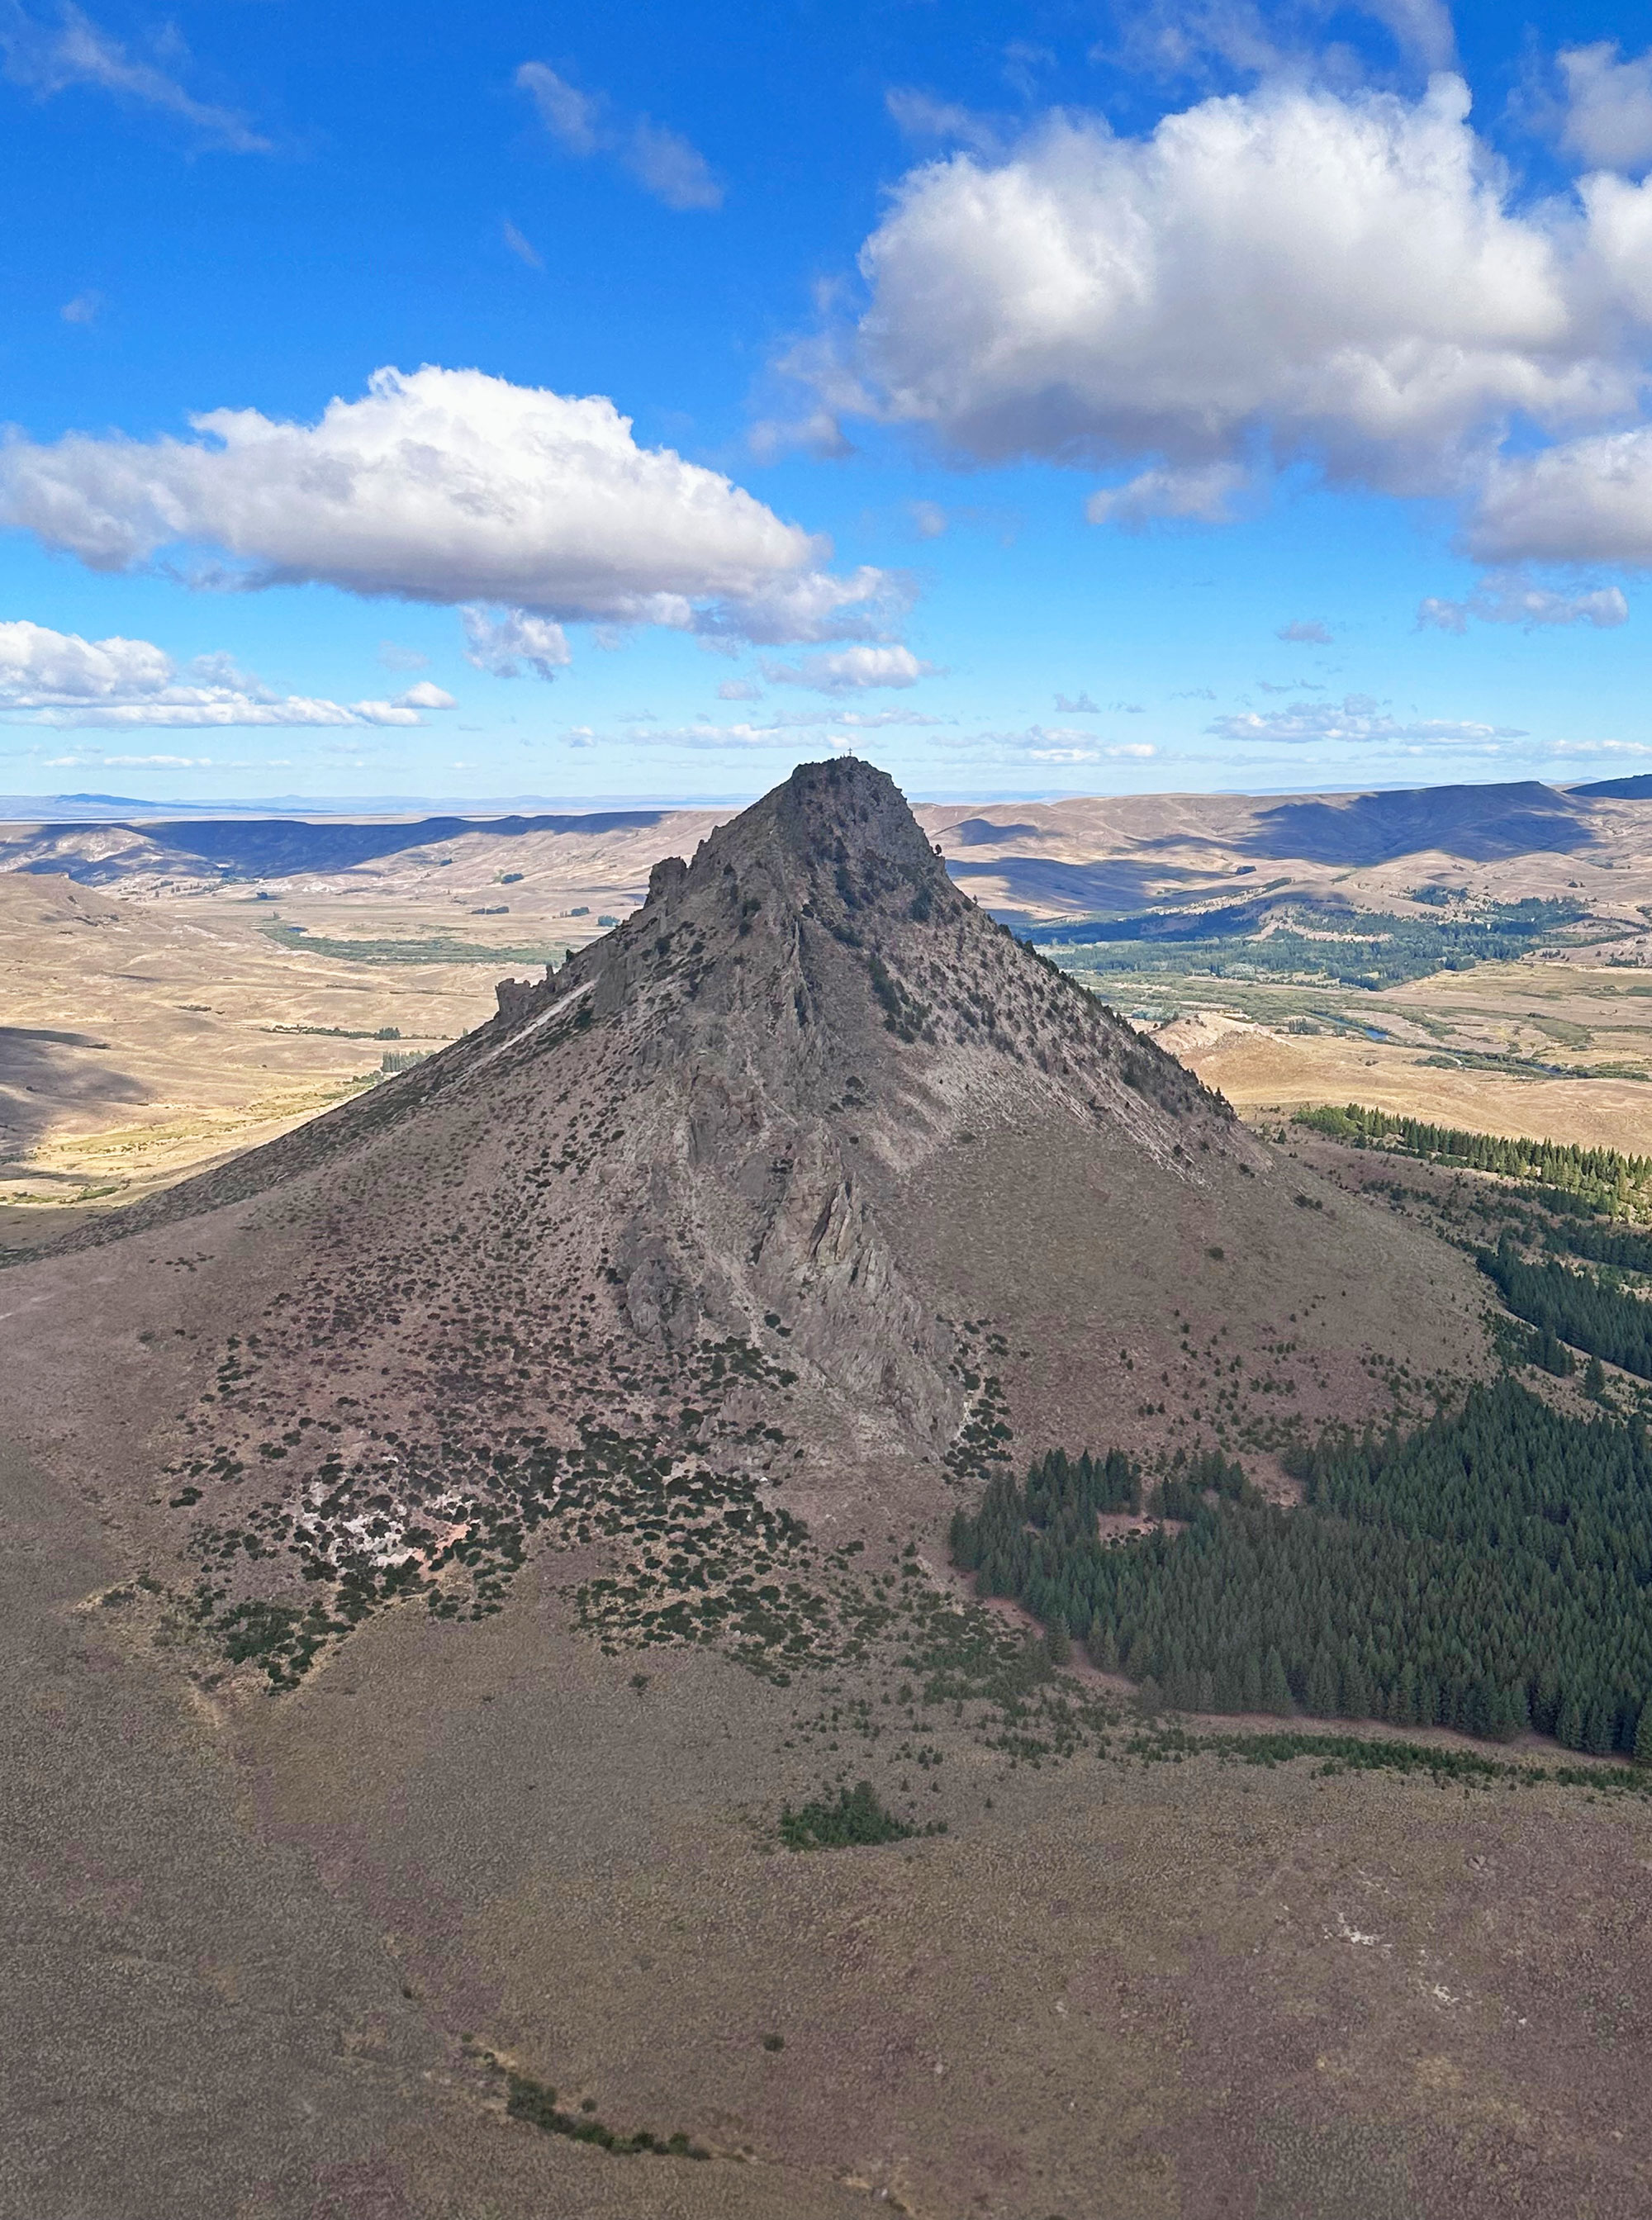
<point x="982" y="832"/>
<point x="1116" y="883"/>
<point x="1481" y="823"/>
<point x="276" y="847"/>
<point x="44" y="1073"/>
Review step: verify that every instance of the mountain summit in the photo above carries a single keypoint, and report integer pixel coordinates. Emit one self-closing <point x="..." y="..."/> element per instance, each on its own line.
<point x="807" y="1177"/>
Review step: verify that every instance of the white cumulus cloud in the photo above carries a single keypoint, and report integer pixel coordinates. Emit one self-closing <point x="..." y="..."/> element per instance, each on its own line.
<point x="1582" y="500"/>
<point x="1608" y="119"/>
<point x="849" y="669"/>
<point x="451" y="486"/>
<point x="1290" y="275"/>
<point x="59" y="679"/>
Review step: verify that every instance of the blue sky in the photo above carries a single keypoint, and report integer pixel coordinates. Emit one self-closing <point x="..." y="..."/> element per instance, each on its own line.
<point x="637" y="401"/>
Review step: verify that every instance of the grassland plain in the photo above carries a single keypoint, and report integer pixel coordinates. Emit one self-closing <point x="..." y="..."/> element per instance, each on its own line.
<point x="611" y="1378"/>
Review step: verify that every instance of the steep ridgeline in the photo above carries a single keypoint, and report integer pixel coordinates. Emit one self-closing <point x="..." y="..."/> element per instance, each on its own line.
<point x="797" y="1021"/>
<point x="715" y="1224"/>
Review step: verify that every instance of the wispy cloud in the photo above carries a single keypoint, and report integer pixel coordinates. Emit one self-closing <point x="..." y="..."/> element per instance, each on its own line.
<point x="849" y="670"/>
<point x="1511" y="599"/>
<point x="1356" y="718"/>
<point x="523" y="248"/>
<point x="47" y="58"/>
<point x="662" y="160"/>
<point x="503" y="643"/>
<point x="1049" y="743"/>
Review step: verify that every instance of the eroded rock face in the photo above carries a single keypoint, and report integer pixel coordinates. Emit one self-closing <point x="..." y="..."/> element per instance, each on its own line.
<point x="666" y="876"/>
<point x="515" y="998"/>
<point x="741" y="1073"/>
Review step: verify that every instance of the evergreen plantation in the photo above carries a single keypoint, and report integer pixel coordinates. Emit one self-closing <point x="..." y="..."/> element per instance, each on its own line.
<point x="1573" y="1306"/>
<point x="1489" y="1571"/>
<point x="1594" y="1180"/>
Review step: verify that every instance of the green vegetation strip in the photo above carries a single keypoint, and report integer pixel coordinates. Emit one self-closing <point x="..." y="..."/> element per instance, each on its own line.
<point x="1338" y="1753"/>
<point x="536" y="2103"/>
<point x="1591" y="1180"/>
<point x="436" y="949"/>
<point x="1316" y="940"/>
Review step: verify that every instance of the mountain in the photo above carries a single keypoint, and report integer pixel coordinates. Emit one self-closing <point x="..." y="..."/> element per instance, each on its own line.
<point x="447" y="1544"/>
<point x="207" y="849"/>
<point x="799" y="1135"/>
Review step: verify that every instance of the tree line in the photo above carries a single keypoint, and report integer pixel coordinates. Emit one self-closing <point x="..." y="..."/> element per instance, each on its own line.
<point x="1600" y="1179"/>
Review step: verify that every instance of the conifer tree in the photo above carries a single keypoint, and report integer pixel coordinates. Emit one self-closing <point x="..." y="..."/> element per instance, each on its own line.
<point x="1319" y="1696"/>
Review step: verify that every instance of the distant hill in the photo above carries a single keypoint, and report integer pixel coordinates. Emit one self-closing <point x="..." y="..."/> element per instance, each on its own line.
<point x="272" y="847"/>
<point x="1638" y="788"/>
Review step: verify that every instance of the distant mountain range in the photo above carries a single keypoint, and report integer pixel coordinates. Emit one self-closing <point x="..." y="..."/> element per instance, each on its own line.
<point x="116" y="808"/>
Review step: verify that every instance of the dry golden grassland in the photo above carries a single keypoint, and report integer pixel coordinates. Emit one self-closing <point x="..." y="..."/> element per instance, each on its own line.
<point x="1430" y="1066"/>
<point x="153" y="1025"/>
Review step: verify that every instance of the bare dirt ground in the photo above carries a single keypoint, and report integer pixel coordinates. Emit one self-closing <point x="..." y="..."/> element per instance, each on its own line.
<point x="1127" y="1990"/>
<point x="158" y="1022"/>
